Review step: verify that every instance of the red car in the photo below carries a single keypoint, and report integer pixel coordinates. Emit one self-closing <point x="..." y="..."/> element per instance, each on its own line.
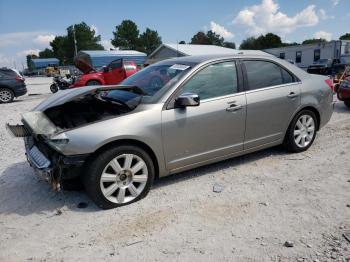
<point x="111" y="74"/>
<point x="343" y="92"/>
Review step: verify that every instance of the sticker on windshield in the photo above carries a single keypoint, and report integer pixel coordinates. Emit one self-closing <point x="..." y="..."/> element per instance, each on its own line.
<point x="179" y="67"/>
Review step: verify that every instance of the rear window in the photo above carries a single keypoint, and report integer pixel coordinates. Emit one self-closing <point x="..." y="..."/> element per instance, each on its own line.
<point x="8" y="73"/>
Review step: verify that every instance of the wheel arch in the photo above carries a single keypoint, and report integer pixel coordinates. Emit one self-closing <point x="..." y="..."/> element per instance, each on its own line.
<point x="94" y="79"/>
<point x="132" y="142"/>
<point x="310" y="108"/>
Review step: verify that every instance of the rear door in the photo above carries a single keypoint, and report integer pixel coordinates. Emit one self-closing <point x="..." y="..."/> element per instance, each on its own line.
<point x="273" y="96"/>
<point x="115" y="72"/>
<point x="213" y="129"/>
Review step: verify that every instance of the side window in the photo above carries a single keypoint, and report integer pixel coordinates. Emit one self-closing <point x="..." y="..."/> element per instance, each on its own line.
<point x="115" y="64"/>
<point x="213" y="81"/>
<point x="317" y="54"/>
<point x="264" y="74"/>
<point x="298" y="57"/>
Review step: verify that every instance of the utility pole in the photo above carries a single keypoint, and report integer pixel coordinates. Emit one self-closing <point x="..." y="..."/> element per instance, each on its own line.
<point x="75" y="42"/>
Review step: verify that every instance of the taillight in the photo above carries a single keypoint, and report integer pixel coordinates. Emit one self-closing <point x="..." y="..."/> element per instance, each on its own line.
<point x="19" y="79"/>
<point x="329" y="82"/>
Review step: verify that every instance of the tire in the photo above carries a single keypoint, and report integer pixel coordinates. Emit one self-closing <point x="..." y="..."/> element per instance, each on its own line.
<point x="109" y="193"/>
<point x="53" y="88"/>
<point x="93" y="83"/>
<point x="6" y="95"/>
<point x="336" y="87"/>
<point x="301" y="132"/>
<point x="347" y="103"/>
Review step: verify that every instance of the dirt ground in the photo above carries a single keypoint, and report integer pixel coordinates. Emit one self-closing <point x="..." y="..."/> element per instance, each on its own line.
<point x="268" y="198"/>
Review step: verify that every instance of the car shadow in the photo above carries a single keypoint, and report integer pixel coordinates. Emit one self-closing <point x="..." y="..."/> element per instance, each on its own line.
<point x="340" y="107"/>
<point x="24" y="193"/>
<point x="225" y="164"/>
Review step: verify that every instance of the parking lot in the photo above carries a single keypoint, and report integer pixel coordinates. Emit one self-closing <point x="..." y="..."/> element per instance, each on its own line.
<point x="267" y="198"/>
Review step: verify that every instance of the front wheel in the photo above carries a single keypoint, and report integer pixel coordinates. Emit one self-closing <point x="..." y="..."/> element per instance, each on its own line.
<point x="119" y="176"/>
<point x="301" y="132"/>
<point x="53" y="88"/>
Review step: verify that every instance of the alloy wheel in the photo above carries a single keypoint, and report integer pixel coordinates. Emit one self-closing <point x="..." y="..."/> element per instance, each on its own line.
<point x="124" y="178"/>
<point x="304" y="131"/>
<point x="5" y="96"/>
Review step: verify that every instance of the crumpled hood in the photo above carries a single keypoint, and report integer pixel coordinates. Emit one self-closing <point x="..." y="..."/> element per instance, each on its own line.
<point x="65" y="96"/>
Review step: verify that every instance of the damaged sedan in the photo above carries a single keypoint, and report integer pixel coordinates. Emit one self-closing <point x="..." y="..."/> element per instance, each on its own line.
<point x="172" y="116"/>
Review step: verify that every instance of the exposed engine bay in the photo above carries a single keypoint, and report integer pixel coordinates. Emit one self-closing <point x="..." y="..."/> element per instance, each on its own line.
<point x="87" y="109"/>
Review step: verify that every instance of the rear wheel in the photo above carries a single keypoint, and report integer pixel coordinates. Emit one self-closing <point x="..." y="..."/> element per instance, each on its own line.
<point x="93" y="83"/>
<point x="347" y="103"/>
<point x="6" y="95"/>
<point x="119" y="176"/>
<point x="301" y="132"/>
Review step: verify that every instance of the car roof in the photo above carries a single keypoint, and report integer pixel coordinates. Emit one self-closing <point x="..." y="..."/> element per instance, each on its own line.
<point x="197" y="59"/>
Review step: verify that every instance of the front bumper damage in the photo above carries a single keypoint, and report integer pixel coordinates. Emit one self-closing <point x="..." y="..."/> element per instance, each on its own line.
<point x="46" y="161"/>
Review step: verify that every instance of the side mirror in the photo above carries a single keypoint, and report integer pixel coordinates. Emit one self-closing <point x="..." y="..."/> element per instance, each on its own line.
<point x="105" y="69"/>
<point x="187" y="99"/>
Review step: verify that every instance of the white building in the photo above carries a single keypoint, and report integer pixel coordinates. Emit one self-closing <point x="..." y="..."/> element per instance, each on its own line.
<point x="165" y="51"/>
<point x="306" y="55"/>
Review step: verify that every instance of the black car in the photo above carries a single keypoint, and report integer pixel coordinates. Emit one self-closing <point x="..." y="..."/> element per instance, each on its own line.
<point x="11" y="85"/>
<point x="327" y="67"/>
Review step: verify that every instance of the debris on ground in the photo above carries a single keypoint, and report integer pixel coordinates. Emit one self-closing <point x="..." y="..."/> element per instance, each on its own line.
<point x="289" y="244"/>
<point x="217" y="188"/>
<point x="58" y="212"/>
<point x="346" y="235"/>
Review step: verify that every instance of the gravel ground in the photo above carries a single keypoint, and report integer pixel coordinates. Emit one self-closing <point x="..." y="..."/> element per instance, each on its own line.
<point x="267" y="198"/>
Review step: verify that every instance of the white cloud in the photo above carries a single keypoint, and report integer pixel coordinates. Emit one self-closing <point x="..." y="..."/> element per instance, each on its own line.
<point x="323" y="35"/>
<point x="266" y="17"/>
<point x="93" y="27"/>
<point x="5" y="61"/>
<point x="324" y="15"/>
<point x="335" y="2"/>
<point x="28" y="52"/>
<point x="218" y="29"/>
<point x="107" y="44"/>
<point x="44" y="40"/>
<point x="19" y="38"/>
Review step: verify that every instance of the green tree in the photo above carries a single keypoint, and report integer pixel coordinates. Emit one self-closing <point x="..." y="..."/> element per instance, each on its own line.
<point x="345" y="37"/>
<point x="46" y="53"/>
<point x="126" y="35"/>
<point x="262" y="42"/>
<point x="200" y="38"/>
<point x="229" y="45"/>
<point x="314" y="41"/>
<point x="29" y="61"/>
<point x="208" y="38"/>
<point x="86" y="38"/>
<point x="182" y="42"/>
<point x="58" y="48"/>
<point x="149" y="41"/>
<point x="249" y="43"/>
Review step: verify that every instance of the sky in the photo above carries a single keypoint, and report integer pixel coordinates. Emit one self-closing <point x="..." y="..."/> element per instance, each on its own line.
<point x="28" y="26"/>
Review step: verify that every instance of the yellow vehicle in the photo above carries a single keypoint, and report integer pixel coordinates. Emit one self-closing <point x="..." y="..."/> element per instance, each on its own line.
<point x="52" y="70"/>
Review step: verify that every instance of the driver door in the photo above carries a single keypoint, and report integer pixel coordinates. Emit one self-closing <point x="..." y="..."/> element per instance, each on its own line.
<point x="211" y="130"/>
<point x="114" y="72"/>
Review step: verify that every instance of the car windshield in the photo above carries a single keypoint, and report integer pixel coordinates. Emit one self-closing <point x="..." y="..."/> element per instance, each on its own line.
<point x="153" y="81"/>
<point x="323" y="61"/>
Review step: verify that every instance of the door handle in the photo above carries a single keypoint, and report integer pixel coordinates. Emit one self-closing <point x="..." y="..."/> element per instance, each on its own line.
<point x="292" y="95"/>
<point x="233" y="108"/>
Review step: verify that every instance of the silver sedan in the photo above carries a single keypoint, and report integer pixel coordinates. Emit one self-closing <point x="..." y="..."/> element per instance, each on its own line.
<point x="172" y="116"/>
